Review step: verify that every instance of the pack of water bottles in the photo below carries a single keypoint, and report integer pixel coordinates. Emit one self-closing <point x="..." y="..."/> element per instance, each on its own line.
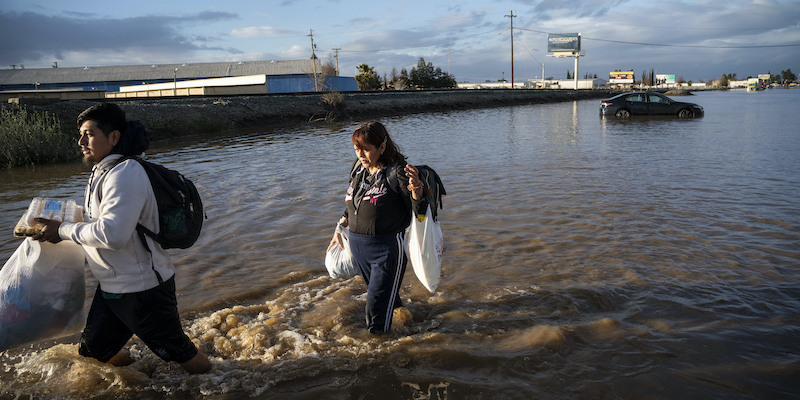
<point x="41" y="207"/>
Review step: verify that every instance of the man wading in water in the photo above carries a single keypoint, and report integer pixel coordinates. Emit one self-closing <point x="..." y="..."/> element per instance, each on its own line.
<point x="136" y="291"/>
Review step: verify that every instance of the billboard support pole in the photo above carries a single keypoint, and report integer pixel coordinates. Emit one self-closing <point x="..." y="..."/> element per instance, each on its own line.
<point x="577" y="55"/>
<point x="576" y="70"/>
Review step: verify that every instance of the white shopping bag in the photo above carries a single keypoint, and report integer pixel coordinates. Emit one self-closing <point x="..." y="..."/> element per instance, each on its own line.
<point x="42" y="291"/>
<point x="339" y="261"/>
<point x="425" y="246"/>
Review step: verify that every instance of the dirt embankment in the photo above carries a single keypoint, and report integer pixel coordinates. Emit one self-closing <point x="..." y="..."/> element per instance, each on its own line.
<point x="171" y="117"/>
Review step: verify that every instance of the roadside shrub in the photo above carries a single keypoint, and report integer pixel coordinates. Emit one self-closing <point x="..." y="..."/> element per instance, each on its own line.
<point x="333" y="103"/>
<point x="31" y="137"/>
<point x="332" y="100"/>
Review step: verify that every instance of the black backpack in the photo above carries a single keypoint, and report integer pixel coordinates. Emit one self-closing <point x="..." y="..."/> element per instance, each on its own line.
<point x="434" y="188"/>
<point x="180" y="210"/>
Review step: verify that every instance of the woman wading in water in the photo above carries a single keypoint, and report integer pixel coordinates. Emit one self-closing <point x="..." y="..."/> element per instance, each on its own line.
<point x="383" y="192"/>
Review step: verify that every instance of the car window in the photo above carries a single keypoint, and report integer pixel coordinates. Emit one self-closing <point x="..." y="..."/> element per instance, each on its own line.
<point x="657" y="99"/>
<point x="636" y="98"/>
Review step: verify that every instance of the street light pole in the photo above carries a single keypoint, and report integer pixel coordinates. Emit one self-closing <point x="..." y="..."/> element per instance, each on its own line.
<point x="175" y="83"/>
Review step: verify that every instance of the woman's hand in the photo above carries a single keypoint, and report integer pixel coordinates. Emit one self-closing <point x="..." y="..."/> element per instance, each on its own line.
<point x="337" y="237"/>
<point x="414" y="184"/>
<point x="336" y="240"/>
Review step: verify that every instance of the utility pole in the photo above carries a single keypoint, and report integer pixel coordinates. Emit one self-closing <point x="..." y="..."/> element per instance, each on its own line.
<point x="511" y="16"/>
<point x="449" y="49"/>
<point x="336" y="55"/>
<point x="313" y="59"/>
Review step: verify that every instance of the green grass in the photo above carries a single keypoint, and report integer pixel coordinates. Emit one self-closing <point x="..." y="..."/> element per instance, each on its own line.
<point x="29" y="137"/>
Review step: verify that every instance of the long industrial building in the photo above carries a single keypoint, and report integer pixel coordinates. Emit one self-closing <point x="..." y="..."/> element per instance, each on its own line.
<point x="288" y="76"/>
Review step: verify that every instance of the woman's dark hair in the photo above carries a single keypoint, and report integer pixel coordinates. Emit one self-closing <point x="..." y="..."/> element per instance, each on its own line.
<point x="110" y="117"/>
<point x="374" y="133"/>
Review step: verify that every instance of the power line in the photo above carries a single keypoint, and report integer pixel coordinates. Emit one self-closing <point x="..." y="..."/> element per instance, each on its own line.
<point x="535" y="59"/>
<point x="694" y="46"/>
<point x="422" y="45"/>
<point x="496" y="33"/>
<point x="675" y="45"/>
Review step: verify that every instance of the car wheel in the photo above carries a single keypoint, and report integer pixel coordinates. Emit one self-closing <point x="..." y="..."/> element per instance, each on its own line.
<point x="685" y="113"/>
<point x="623" y="113"/>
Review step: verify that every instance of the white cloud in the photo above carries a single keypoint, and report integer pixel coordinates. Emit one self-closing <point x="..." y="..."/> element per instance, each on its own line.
<point x="297" y="52"/>
<point x="258" y="31"/>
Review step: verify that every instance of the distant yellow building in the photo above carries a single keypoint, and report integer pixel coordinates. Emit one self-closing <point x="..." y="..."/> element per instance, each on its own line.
<point x="755" y="84"/>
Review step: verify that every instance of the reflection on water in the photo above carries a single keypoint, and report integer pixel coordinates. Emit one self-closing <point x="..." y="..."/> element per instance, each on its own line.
<point x="585" y="258"/>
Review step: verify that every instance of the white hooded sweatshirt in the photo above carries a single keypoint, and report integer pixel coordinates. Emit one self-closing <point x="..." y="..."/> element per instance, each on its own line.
<point x="116" y="200"/>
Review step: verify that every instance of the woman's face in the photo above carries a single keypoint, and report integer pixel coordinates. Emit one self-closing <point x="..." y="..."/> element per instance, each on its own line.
<point x="368" y="154"/>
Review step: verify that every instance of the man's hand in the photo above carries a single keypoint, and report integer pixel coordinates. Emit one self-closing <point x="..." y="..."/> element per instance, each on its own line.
<point x="49" y="232"/>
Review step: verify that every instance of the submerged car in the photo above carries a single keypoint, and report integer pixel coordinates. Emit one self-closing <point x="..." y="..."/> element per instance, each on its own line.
<point x="647" y="103"/>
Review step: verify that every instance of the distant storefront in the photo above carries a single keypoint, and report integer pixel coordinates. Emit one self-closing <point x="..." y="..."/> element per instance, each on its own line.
<point x="621" y="79"/>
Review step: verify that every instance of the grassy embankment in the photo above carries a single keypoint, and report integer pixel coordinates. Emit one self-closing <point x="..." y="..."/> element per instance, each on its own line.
<point x="33" y="138"/>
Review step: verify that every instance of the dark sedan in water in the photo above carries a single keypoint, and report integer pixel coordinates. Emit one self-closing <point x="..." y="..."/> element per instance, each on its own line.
<point x="647" y="103"/>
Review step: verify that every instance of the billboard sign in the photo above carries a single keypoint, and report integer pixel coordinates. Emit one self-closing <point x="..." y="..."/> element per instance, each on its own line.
<point x="665" y="79"/>
<point x="620" y="77"/>
<point x="564" y="43"/>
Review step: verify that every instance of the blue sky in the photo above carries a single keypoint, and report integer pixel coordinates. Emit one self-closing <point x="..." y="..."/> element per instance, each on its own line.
<point x="693" y="39"/>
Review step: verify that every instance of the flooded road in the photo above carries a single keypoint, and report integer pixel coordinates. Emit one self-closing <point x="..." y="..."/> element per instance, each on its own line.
<point x="585" y="258"/>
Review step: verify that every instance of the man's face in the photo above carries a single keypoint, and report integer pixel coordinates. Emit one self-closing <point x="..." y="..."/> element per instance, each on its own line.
<point x="95" y="145"/>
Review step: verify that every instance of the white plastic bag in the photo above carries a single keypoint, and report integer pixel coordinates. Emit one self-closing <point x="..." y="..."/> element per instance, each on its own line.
<point x="42" y="291"/>
<point x="339" y="261"/>
<point x="425" y="246"/>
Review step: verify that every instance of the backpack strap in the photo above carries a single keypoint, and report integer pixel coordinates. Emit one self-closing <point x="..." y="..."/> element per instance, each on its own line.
<point x="354" y="169"/>
<point x="391" y="175"/>
<point x="140" y="229"/>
